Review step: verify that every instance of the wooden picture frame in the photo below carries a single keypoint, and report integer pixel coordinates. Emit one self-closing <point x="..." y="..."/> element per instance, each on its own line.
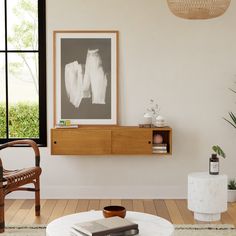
<point x="85" y="68"/>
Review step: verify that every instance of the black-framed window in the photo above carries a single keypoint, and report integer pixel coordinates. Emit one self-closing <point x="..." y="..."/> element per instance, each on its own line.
<point x="23" y="70"/>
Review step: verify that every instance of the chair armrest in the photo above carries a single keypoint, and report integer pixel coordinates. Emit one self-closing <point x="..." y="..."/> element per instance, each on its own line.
<point x="31" y="143"/>
<point x="1" y="173"/>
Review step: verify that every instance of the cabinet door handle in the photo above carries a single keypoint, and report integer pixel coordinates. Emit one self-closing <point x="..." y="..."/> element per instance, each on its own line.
<point x="149" y="142"/>
<point x="55" y="142"/>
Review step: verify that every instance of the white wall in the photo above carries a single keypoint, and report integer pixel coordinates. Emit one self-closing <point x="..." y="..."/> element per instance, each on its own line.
<point x="187" y="66"/>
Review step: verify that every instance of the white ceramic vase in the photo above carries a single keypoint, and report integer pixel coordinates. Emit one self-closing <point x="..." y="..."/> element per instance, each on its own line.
<point x="147" y="119"/>
<point x="231" y="195"/>
<point x="160" y="121"/>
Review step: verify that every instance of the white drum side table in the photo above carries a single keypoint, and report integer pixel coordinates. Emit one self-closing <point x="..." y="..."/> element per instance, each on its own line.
<point x="207" y="195"/>
<point x="149" y="225"/>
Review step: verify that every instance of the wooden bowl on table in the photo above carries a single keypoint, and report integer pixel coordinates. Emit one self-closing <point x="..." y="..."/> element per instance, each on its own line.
<point x="110" y="211"/>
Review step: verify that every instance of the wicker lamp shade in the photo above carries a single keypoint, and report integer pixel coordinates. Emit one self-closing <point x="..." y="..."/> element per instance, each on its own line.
<point x="198" y="9"/>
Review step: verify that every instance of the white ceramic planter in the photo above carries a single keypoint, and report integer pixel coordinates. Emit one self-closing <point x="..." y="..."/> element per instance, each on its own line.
<point x="231" y="195"/>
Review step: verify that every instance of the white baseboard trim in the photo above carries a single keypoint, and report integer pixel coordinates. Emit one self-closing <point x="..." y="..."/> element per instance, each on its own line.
<point x="106" y="192"/>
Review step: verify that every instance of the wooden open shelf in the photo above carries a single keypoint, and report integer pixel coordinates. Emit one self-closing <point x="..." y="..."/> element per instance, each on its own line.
<point x="112" y="140"/>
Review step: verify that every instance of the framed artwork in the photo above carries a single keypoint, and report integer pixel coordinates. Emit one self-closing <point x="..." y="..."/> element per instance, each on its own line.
<point x="85" y="77"/>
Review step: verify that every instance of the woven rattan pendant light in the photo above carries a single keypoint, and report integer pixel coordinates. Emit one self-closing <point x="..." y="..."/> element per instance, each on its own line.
<point x="198" y="9"/>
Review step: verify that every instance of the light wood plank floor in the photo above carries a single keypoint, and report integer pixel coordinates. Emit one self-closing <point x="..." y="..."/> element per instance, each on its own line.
<point x="22" y="211"/>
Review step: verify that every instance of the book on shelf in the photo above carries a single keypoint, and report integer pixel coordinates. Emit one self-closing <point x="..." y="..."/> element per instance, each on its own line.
<point x="159" y="144"/>
<point x="58" y="126"/>
<point x="129" y="232"/>
<point x="106" y="226"/>
<point x="159" y="148"/>
<point x="159" y="151"/>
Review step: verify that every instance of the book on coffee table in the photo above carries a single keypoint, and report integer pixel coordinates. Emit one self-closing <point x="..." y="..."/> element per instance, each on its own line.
<point x="130" y="232"/>
<point x="114" y="226"/>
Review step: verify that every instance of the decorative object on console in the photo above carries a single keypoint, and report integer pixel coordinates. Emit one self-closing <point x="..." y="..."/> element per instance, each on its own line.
<point x="66" y="124"/>
<point x="147" y="119"/>
<point x="72" y="126"/>
<point x="214" y="160"/>
<point x="157" y="139"/>
<point x="85" y="77"/>
<point x="198" y="9"/>
<point x="153" y="110"/>
<point x="160" y="121"/>
<point x="232" y="190"/>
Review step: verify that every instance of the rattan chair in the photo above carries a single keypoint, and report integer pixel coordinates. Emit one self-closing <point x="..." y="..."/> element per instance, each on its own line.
<point x="13" y="180"/>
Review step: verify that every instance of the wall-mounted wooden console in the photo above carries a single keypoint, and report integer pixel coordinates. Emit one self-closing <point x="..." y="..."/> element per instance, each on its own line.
<point x="101" y="140"/>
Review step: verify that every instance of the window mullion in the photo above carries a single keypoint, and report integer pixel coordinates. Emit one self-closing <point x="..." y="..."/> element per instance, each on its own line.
<point x="20" y="51"/>
<point x="42" y="72"/>
<point x="6" y="71"/>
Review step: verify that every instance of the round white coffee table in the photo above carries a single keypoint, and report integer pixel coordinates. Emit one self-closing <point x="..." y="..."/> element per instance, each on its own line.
<point x="149" y="225"/>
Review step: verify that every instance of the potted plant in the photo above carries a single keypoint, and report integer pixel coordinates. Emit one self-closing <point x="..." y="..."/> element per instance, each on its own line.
<point x="232" y="120"/>
<point x="218" y="151"/>
<point x="232" y="190"/>
<point x="232" y="182"/>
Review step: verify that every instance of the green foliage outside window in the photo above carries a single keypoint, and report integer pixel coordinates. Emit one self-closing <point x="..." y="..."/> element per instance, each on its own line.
<point x="2" y="120"/>
<point x="23" y="120"/>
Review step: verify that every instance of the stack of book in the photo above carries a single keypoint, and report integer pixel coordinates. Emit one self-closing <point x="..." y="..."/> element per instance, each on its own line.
<point x="159" y="148"/>
<point x="62" y="126"/>
<point x="113" y="226"/>
<point x="66" y="124"/>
